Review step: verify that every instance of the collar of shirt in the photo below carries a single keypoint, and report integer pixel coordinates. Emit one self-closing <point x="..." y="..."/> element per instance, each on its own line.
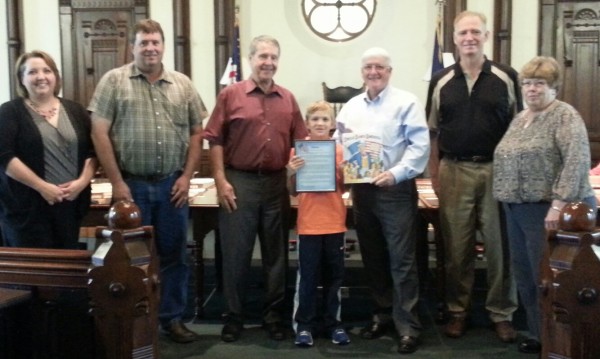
<point x="485" y="68"/>
<point x="164" y="76"/>
<point x="377" y="98"/>
<point x="251" y="86"/>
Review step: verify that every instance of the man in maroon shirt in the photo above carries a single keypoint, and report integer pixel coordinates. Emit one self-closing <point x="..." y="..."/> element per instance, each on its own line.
<point x="251" y="131"/>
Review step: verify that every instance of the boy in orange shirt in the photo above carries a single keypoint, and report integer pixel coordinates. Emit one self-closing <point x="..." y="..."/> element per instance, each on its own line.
<point x="321" y="227"/>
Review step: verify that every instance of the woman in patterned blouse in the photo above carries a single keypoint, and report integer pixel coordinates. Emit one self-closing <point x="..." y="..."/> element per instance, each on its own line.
<point x="541" y="164"/>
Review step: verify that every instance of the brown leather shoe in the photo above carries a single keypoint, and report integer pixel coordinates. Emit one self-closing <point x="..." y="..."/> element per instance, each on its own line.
<point x="178" y="332"/>
<point x="456" y="326"/>
<point x="505" y="331"/>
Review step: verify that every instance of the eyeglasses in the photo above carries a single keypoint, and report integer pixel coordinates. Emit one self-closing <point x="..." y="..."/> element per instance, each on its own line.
<point x="377" y="68"/>
<point x="534" y="82"/>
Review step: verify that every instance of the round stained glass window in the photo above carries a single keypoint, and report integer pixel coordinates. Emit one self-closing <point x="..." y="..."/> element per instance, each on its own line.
<point x="338" y="20"/>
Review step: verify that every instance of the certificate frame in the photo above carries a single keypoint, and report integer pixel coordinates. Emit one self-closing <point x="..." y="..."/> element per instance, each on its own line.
<point x="319" y="171"/>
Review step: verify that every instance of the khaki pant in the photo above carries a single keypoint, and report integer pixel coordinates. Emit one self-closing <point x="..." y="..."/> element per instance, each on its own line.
<point x="467" y="208"/>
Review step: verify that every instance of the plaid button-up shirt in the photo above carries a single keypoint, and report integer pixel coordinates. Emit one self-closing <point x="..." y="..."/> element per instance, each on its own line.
<point x="151" y="123"/>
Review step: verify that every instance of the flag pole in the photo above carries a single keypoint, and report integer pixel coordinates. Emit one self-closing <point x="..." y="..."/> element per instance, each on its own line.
<point x="440" y="22"/>
<point x="236" y="53"/>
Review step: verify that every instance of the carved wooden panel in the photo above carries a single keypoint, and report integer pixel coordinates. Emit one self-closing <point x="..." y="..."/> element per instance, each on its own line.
<point x="103" y="38"/>
<point x="570" y="31"/>
<point x="95" y="38"/>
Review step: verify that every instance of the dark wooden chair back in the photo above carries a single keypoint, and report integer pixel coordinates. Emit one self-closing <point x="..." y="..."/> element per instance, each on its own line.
<point x="338" y="96"/>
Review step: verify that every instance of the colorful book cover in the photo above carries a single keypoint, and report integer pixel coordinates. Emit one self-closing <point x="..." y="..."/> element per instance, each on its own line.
<point x="363" y="157"/>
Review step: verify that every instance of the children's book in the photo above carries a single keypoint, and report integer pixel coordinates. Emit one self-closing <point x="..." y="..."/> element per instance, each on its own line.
<point x="363" y="157"/>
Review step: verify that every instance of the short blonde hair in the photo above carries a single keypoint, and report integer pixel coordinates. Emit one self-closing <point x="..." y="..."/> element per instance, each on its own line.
<point x="542" y="67"/>
<point x="320" y="106"/>
<point x="468" y="13"/>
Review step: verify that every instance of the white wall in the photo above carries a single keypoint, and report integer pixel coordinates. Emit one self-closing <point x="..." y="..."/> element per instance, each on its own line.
<point x="525" y="22"/>
<point x="203" y="49"/>
<point x="42" y="27"/>
<point x="404" y="27"/>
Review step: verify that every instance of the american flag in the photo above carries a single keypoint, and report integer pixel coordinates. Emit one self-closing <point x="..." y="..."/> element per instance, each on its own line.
<point x="437" y="61"/>
<point x="233" y="71"/>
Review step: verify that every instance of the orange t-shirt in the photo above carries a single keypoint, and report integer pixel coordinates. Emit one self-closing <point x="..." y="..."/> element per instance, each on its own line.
<point x="323" y="212"/>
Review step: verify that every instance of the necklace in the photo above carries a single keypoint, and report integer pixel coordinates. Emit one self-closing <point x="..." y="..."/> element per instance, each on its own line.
<point x="46" y="114"/>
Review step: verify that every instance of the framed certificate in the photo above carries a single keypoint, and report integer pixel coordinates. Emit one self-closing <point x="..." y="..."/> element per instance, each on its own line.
<point x="318" y="172"/>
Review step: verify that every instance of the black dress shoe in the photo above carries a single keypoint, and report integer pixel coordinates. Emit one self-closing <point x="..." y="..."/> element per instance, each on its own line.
<point x="530" y="346"/>
<point x="178" y="332"/>
<point x="375" y="330"/>
<point x="231" y="331"/>
<point x="276" y="330"/>
<point x="407" y="344"/>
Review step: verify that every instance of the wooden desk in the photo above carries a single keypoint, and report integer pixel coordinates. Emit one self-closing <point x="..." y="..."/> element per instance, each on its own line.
<point x="429" y="211"/>
<point x="204" y="212"/>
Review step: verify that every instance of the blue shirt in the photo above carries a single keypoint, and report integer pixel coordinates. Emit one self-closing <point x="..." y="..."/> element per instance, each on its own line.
<point x="398" y="119"/>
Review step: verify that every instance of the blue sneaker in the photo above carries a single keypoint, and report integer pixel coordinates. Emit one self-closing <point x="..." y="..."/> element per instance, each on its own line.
<point x="304" y="339"/>
<point x="340" y="337"/>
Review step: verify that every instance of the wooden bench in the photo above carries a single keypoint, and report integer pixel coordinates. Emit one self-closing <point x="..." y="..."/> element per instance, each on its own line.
<point x="56" y="310"/>
<point x="570" y="284"/>
<point x="105" y="301"/>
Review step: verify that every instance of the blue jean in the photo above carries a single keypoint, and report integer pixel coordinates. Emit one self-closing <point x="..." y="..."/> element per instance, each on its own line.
<point x="527" y="242"/>
<point x="170" y="229"/>
<point x="385" y="220"/>
<point x="319" y="256"/>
